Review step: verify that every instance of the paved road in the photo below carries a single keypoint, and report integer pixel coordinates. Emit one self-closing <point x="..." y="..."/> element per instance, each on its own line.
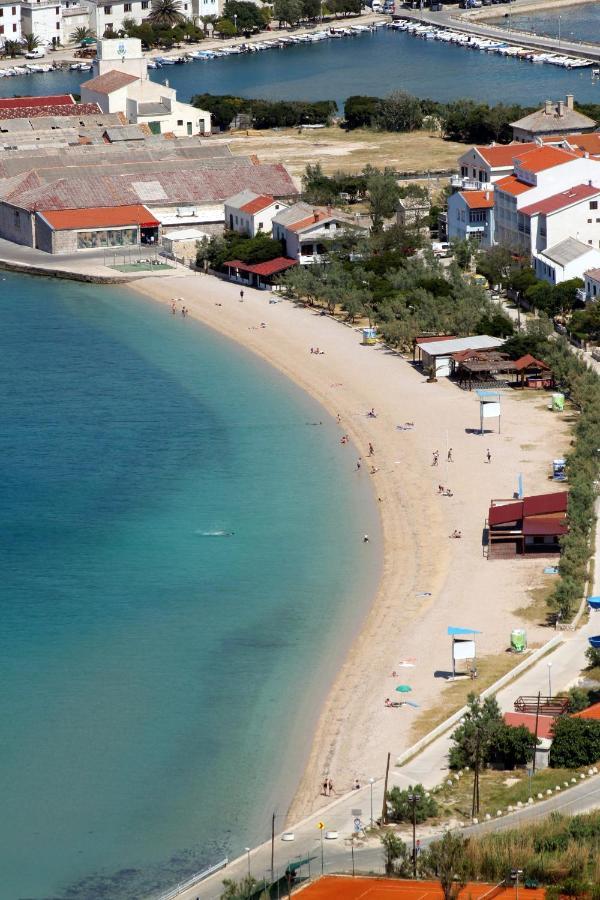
<point x="451" y="19"/>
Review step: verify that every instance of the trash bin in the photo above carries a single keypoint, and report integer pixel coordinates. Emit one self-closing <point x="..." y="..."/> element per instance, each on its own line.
<point x="518" y="640"/>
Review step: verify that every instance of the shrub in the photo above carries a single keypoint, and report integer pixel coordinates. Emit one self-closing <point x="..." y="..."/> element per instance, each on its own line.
<point x="402" y="808"/>
<point x="576" y="743"/>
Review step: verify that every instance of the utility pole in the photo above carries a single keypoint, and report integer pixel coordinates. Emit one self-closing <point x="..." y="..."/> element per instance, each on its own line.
<point x="273" y="848"/>
<point x="535" y="736"/>
<point x="412" y="798"/>
<point x="385" y="787"/>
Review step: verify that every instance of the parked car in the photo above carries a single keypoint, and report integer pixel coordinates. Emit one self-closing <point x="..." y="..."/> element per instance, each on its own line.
<point x="38" y="53"/>
<point x="441" y="249"/>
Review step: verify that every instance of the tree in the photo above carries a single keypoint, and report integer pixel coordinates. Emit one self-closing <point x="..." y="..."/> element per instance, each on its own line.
<point x="394" y="849"/>
<point x="462" y="252"/>
<point x="225" y="28"/>
<point x="473" y="738"/>
<point x="399" y="112"/>
<point x="239" y="890"/>
<point x="511" y="746"/>
<point x="311" y="9"/>
<point x="576" y="743"/>
<point x="246" y="16"/>
<point x="83" y="33"/>
<point x="425" y="806"/>
<point x="31" y="42"/>
<point x="592" y="654"/>
<point x="446" y="860"/>
<point x="289" y="11"/>
<point x="383" y="194"/>
<point x="361" y="112"/>
<point x="165" y="13"/>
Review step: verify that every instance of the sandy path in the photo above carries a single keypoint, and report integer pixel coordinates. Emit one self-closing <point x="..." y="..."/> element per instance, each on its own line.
<point x="355" y="730"/>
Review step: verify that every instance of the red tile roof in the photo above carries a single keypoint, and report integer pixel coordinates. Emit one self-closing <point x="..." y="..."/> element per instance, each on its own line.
<point x="28" y="102"/>
<point x="589" y="143"/>
<point x="478" y="199"/>
<point x="543" y="158"/>
<point x="256" y="205"/>
<point x="545" y="723"/>
<point x="563" y="200"/>
<point x="543" y="506"/>
<point x="272" y="267"/>
<point x="109" y="82"/>
<point x="317" y="216"/>
<point x="508" y="512"/>
<point x="512" y="185"/>
<point x="36" y="112"/>
<point x="98" y="217"/>
<point x="503" y="154"/>
<point x="592" y="712"/>
<point x="528" y="360"/>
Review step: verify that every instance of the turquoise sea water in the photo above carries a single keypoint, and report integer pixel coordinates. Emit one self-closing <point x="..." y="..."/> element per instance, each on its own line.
<point x="572" y="23"/>
<point x="374" y="63"/>
<point x="159" y="684"/>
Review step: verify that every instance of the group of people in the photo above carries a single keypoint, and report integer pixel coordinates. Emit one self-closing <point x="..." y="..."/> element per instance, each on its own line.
<point x="456" y="533"/>
<point x="184" y="309"/>
<point x="445" y="491"/>
<point x="327" y="788"/>
<point x="316" y="352"/>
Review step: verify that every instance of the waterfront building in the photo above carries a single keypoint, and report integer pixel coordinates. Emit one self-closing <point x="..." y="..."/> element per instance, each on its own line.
<point x="74" y="15"/>
<point x="249" y="213"/>
<point x="304" y="229"/>
<point x="531" y="525"/>
<point x="121" y="85"/>
<point x="553" y="118"/>
<point x="10" y="21"/>
<point x="566" y="260"/>
<point x="43" y="18"/>
<point x="471" y="216"/>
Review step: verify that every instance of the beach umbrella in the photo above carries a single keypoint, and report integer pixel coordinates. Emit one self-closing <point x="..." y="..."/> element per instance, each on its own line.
<point x="403" y="689"/>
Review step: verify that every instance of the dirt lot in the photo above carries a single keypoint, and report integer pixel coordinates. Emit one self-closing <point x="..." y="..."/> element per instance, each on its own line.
<point x="337" y="149"/>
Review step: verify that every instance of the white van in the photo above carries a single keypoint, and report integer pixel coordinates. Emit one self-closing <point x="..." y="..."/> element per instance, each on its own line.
<point x="38" y="53"/>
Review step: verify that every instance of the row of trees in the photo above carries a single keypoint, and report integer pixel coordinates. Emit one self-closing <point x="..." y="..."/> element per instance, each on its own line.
<point x="29" y="43"/>
<point x="265" y="113"/>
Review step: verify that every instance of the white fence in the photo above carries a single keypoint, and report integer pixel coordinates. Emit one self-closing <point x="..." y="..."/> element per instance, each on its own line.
<point x="195" y="879"/>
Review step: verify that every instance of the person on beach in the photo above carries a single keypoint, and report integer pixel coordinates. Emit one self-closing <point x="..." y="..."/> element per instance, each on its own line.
<point x="374" y="469"/>
<point x="449" y="457"/>
<point x="456" y="534"/>
<point x="372" y="414"/>
<point x="488" y="455"/>
<point x="436" y="456"/>
<point x="356" y="784"/>
<point x="371" y="449"/>
<point x="338" y="418"/>
<point x="172" y="307"/>
<point x="324" y="791"/>
<point x="241" y="296"/>
<point x="330" y="787"/>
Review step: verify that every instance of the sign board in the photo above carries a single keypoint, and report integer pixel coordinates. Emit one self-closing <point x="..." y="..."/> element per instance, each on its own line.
<point x="463" y="649"/>
<point x="490" y="410"/>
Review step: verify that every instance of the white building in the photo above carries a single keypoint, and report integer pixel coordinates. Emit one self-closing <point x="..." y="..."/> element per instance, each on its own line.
<point x="250" y="213"/>
<point x="471" y="216"/>
<point x="568" y="259"/>
<point x="570" y="213"/>
<point x="538" y="174"/>
<point x="592" y="284"/>
<point x="304" y="229"/>
<point x="437" y="353"/>
<point x="74" y="15"/>
<point x="122" y="85"/>
<point x="482" y="166"/>
<point x="10" y="22"/>
<point x="43" y="18"/>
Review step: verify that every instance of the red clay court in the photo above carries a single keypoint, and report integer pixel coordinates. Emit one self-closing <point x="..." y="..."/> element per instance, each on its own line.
<point x="332" y="887"/>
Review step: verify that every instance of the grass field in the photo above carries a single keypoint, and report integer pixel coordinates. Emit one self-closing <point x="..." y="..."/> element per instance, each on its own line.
<point x="349" y="151"/>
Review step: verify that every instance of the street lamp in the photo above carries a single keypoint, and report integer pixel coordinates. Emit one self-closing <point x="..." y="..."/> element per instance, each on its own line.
<point x="247" y="849"/>
<point x="514" y="875"/>
<point x="550" y="680"/>
<point x="413" y="798"/>
<point x="371" y="783"/>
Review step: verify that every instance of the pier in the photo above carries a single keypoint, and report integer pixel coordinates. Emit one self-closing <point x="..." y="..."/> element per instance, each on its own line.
<point x="452" y="20"/>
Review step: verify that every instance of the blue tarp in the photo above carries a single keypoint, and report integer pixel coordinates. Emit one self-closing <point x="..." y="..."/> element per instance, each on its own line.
<point x="594" y="602"/>
<point x="453" y="630"/>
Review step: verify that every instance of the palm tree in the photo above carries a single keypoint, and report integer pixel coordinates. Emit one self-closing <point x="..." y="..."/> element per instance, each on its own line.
<point x="12" y="48"/>
<point x="165" y="13"/>
<point x="31" y="42"/>
<point x="81" y="34"/>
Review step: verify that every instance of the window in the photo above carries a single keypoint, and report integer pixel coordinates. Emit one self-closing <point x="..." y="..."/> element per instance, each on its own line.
<point x="14" y="28"/>
<point x="1" y="13"/>
<point x="14" y="10"/>
<point x="180" y="121"/>
<point x="589" y="221"/>
<point x="589" y="242"/>
<point x="593" y="204"/>
<point x="260" y="225"/>
<point x="17" y="218"/>
<point x="127" y="7"/>
<point x="145" y="4"/>
<point x="107" y="10"/>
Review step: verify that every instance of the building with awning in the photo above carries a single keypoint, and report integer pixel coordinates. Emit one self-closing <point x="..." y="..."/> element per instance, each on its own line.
<point x="259" y="275"/>
<point x="530" y="525"/>
<point x="70" y="230"/>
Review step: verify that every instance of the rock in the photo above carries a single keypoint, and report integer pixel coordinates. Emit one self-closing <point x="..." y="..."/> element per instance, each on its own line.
<point x="540" y="796"/>
<point x="549" y="792"/>
<point x="498" y="813"/>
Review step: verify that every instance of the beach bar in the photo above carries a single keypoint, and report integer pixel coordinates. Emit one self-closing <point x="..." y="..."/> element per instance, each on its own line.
<point x="437" y="354"/>
<point x="259" y="275"/>
<point x="531" y="525"/>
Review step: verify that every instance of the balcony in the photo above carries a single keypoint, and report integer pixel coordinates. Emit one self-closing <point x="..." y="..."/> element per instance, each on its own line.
<point x="462" y="183"/>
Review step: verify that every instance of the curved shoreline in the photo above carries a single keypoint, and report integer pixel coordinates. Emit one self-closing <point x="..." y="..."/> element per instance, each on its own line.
<point x="423" y="586"/>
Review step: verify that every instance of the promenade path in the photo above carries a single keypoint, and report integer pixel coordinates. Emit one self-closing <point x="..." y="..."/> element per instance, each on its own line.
<point x="429" y="768"/>
<point x="451" y="19"/>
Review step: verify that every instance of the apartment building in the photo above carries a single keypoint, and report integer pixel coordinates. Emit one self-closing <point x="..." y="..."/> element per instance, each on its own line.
<point x="10" y="22"/>
<point x="471" y="216"/>
<point x="44" y="19"/>
<point x="108" y="15"/>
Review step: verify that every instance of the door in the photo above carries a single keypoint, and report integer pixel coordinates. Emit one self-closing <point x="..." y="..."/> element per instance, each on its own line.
<point x="189" y="127"/>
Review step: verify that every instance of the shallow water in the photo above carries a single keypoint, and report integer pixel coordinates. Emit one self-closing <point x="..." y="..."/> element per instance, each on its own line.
<point x="571" y="23"/>
<point x="160" y="679"/>
<point x="374" y="63"/>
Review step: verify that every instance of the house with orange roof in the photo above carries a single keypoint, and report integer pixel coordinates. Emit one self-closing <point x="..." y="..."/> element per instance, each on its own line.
<point x="471" y="216"/>
<point x="481" y="166"/>
<point x="305" y="230"/>
<point x="592" y="712"/>
<point x="251" y="214"/>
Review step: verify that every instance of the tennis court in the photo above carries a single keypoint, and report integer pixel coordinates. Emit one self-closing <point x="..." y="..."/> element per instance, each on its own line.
<point x="332" y="887"/>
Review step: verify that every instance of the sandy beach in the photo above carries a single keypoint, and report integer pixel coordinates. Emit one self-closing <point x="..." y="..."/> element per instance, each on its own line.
<point x="429" y="580"/>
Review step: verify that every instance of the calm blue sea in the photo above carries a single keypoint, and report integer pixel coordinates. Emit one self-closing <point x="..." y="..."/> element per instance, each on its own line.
<point x="573" y="23"/>
<point x="374" y="63"/>
<point x="159" y="683"/>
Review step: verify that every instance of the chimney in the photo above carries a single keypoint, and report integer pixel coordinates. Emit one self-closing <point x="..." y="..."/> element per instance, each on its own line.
<point x="316" y="215"/>
<point x="561" y="108"/>
<point x="569" y="101"/>
<point x="589" y="182"/>
<point x="548" y="107"/>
